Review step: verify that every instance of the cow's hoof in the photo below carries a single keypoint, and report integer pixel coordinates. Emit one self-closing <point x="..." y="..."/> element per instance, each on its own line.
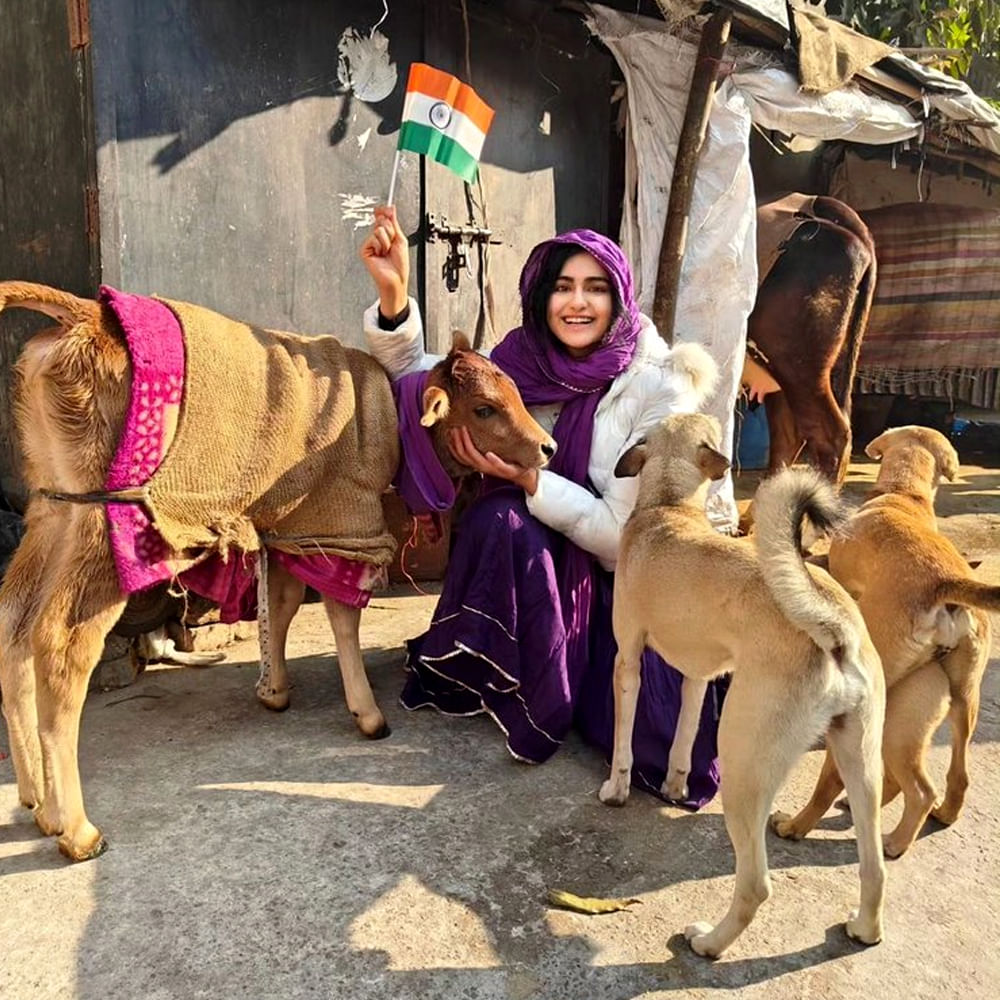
<point x="82" y="848"/>
<point x="276" y="701"/>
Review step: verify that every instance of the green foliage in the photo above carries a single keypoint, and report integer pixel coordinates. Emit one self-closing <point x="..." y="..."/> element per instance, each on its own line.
<point x="969" y="27"/>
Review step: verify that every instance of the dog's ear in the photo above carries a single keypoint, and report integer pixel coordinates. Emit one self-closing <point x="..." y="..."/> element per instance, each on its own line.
<point x="875" y="448"/>
<point x="946" y="458"/>
<point x="459" y="341"/>
<point x="631" y="463"/>
<point x="436" y="406"/>
<point x="713" y="464"/>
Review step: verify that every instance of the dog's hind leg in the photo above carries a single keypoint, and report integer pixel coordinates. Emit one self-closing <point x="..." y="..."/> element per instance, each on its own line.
<point x="19" y="599"/>
<point x="754" y="764"/>
<point x="964" y="666"/>
<point x="346" y="623"/>
<point x="828" y="787"/>
<point x="914" y="709"/>
<point x="80" y="603"/>
<point x="855" y="741"/>
<point x="679" y="762"/>
<point x="284" y="597"/>
<point x="614" y="791"/>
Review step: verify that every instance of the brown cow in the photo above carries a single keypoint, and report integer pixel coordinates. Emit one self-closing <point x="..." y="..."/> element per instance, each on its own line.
<point x="61" y="593"/>
<point x="808" y="322"/>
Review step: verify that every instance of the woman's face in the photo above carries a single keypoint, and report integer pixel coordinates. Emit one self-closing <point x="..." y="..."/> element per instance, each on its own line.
<point x="580" y="307"/>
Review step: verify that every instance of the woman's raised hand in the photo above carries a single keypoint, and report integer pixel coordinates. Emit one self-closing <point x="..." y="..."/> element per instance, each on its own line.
<point x="387" y="258"/>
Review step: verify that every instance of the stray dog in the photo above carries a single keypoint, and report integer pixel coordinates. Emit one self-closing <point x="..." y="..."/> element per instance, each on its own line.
<point x="798" y="649"/>
<point x="925" y="614"/>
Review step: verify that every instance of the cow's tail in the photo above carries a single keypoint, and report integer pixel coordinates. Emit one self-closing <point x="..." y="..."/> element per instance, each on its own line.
<point x="843" y="381"/>
<point x="969" y="593"/>
<point x="67" y="309"/>
<point x="781" y="505"/>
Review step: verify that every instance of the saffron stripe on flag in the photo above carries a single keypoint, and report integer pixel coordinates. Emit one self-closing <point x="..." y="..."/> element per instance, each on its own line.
<point x="428" y="140"/>
<point x="440" y="86"/>
<point x="417" y="108"/>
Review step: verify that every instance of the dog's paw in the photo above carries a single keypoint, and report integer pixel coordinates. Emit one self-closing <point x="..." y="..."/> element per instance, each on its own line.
<point x="865" y="930"/>
<point x="781" y="823"/>
<point x="675" y="787"/>
<point x="614" y="791"/>
<point x="699" y="937"/>
<point x="945" y="813"/>
<point x="893" y="847"/>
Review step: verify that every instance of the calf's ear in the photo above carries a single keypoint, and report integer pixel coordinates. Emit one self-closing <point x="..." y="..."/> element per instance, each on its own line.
<point x="459" y="341"/>
<point x="631" y="463"/>
<point x="436" y="406"/>
<point x="711" y="462"/>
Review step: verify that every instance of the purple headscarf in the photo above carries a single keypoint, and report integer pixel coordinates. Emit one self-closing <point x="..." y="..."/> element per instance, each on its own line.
<point x="546" y="373"/>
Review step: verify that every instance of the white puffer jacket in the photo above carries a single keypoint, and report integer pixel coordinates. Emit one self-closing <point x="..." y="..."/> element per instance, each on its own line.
<point x="659" y="381"/>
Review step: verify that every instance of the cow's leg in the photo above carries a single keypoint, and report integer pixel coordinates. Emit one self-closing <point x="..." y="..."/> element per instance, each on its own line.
<point x="784" y="440"/>
<point x="346" y="622"/>
<point x="81" y="601"/>
<point x="19" y="602"/>
<point x="826" y="430"/>
<point x="284" y="597"/>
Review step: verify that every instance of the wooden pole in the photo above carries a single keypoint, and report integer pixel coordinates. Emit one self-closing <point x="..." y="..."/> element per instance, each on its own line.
<point x="714" y="37"/>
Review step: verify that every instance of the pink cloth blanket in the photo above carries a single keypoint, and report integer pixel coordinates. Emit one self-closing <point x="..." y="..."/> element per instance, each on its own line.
<point x="156" y="348"/>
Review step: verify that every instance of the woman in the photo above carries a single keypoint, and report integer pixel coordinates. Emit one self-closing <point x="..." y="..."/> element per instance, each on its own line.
<point x="522" y="630"/>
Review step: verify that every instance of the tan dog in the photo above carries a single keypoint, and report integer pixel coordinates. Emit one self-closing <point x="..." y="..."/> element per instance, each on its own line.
<point x="923" y="611"/>
<point x="800" y="655"/>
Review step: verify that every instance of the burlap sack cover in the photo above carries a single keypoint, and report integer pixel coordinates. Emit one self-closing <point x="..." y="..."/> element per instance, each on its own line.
<point x="282" y="439"/>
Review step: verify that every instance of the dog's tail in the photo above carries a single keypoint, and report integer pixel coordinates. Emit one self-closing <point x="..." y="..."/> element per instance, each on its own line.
<point x="63" y="307"/>
<point x="969" y="593"/>
<point x="781" y="505"/>
<point x="699" y="366"/>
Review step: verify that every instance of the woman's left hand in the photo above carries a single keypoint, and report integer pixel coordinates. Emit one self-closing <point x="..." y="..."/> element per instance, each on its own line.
<point x="461" y="446"/>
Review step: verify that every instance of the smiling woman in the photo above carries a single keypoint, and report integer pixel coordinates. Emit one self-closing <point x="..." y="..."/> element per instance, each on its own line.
<point x="580" y="306"/>
<point x="522" y="631"/>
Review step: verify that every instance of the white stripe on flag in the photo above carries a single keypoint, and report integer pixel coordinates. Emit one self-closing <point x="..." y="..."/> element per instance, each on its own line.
<point x="417" y="108"/>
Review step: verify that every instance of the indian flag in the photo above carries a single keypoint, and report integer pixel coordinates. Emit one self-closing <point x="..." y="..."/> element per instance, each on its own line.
<point x="445" y="119"/>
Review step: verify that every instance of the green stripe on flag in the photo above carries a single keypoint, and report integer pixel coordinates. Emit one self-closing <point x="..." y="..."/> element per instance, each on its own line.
<point x="424" y="139"/>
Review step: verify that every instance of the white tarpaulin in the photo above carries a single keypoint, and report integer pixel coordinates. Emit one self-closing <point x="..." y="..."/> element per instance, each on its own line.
<point x="718" y="280"/>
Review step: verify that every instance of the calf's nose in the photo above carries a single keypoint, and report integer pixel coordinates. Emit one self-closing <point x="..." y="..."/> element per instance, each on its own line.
<point x="549" y="449"/>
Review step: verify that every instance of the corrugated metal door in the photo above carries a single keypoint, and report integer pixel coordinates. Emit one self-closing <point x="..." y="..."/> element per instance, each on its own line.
<point x="545" y="160"/>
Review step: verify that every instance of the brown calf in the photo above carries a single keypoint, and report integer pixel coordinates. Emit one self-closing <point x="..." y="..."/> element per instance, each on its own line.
<point x="61" y="594"/>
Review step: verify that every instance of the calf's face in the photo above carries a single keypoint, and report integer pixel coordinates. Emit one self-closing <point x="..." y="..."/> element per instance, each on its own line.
<point x="468" y="390"/>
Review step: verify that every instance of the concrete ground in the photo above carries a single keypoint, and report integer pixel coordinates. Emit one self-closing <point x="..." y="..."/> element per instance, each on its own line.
<point x="265" y="855"/>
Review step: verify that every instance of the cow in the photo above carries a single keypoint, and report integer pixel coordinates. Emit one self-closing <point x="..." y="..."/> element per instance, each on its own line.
<point x="62" y="592"/>
<point x="817" y="281"/>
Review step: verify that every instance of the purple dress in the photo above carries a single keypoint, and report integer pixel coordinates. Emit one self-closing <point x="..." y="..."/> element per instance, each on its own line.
<point x="522" y="630"/>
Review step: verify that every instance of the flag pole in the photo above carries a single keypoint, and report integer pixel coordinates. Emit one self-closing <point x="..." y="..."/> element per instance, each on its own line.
<point x="392" y="181"/>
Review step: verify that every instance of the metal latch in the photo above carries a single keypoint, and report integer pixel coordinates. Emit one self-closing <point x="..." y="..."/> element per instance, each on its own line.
<point x="457" y="238"/>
